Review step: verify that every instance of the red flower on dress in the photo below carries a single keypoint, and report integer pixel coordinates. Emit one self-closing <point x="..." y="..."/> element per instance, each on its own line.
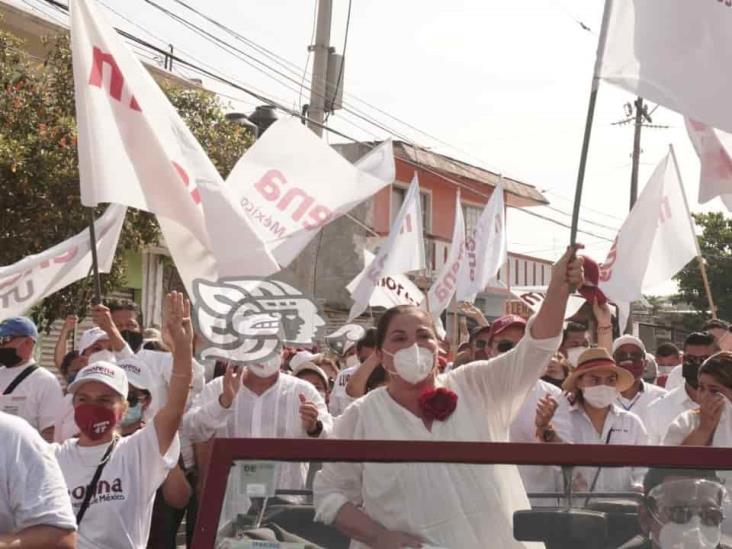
<point x="437" y="403"/>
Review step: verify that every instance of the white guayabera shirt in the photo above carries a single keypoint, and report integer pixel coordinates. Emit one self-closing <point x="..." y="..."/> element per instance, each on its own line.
<point x="466" y="506"/>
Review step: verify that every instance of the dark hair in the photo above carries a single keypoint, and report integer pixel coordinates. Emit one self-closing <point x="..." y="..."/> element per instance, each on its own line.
<point x="368" y="340"/>
<point x="572" y="327"/>
<point x="376" y="379"/>
<point x="383" y="325"/>
<point x="699" y="338"/>
<point x="715" y="323"/>
<point x="657" y="475"/>
<point x="719" y="366"/>
<point x="67" y="360"/>
<point x="122" y="305"/>
<point x="667" y="349"/>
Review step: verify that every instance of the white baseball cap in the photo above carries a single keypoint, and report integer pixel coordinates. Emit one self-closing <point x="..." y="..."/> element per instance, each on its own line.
<point x="302" y="357"/>
<point x="110" y="374"/>
<point x="90" y="337"/>
<point x="310" y="367"/>
<point x="628" y="340"/>
<point x="136" y="371"/>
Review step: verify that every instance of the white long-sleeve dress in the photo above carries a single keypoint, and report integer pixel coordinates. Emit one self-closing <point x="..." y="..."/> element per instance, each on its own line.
<point x="450" y="505"/>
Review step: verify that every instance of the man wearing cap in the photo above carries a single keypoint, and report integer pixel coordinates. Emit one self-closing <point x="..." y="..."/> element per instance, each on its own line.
<point x="502" y="335"/>
<point x="26" y="389"/>
<point x="594" y="418"/>
<point x="313" y="374"/>
<point x="698" y="347"/>
<point x="629" y="353"/>
<point x="357" y="352"/>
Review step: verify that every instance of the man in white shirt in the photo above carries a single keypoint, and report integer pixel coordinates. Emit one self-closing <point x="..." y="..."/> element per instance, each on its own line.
<point x="697" y="348"/>
<point x="356" y="354"/>
<point x="630" y="353"/>
<point x="26" y="389"/>
<point x="668" y="356"/>
<point x="35" y="510"/>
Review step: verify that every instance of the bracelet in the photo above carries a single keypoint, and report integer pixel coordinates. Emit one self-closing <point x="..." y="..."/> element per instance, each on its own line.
<point x="318" y="429"/>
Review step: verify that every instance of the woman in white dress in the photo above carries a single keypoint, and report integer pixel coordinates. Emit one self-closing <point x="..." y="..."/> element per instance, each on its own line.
<point x="429" y="504"/>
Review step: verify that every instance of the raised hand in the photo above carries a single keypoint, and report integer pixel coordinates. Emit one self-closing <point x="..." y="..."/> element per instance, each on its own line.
<point x="70" y="323"/>
<point x="178" y="325"/>
<point x="568" y="271"/>
<point x="231" y="385"/>
<point x="308" y="414"/>
<point x="710" y="411"/>
<point x="102" y="317"/>
<point x="545" y="410"/>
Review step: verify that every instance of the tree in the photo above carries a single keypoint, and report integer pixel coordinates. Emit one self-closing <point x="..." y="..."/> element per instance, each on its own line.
<point x="39" y="170"/>
<point x="716" y="248"/>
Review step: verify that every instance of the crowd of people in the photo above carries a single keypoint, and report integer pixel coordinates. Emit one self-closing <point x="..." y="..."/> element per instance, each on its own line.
<point x="114" y="454"/>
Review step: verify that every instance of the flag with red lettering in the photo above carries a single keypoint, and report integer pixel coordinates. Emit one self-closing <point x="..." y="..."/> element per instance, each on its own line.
<point x="135" y="150"/>
<point x="674" y="52"/>
<point x="445" y="284"/>
<point x="291" y="184"/>
<point x="28" y="281"/>
<point x="402" y="252"/>
<point x="714" y="148"/>
<point x="656" y="240"/>
<point x="392" y="290"/>
<point x="485" y="248"/>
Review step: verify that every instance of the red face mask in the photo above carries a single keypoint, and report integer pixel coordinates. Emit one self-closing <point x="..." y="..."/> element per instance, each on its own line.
<point x="94" y="421"/>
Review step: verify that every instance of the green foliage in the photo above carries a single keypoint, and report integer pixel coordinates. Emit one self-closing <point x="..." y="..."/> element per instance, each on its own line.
<point x="716" y="247"/>
<point x="39" y="170"/>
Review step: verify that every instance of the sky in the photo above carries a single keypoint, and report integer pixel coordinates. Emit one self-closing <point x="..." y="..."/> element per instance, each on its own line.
<point x="503" y="85"/>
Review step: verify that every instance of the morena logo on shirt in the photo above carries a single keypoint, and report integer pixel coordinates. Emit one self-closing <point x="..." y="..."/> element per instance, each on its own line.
<point x="104" y="491"/>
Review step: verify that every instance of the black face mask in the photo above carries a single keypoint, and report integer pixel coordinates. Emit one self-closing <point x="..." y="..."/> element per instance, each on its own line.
<point x="555" y="382"/>
<point x="9" y="357"/>
<point x="133" y="339"/>
<point x="690" y="371"/>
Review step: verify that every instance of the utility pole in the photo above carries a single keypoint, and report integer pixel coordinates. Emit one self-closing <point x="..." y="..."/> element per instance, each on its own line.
<point x="321" y="52"/>
<point x="639" y="115"/>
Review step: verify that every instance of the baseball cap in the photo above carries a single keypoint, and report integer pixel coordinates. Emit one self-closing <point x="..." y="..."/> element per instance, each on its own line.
<point x="302" y="357"/>
<point x="18" y="326"/>
<point x="136" y="371"/>
<point x="590" y="290"/>
<point x="503" y="323"/>
<point x="628" y="340"/>
<point x="110" y="374"/>
<point x="310" y="367"/>
<point x="90" y="337"/>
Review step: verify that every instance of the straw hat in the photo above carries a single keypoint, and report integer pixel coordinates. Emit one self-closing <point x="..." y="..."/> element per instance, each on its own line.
<point x="598" y="359"/>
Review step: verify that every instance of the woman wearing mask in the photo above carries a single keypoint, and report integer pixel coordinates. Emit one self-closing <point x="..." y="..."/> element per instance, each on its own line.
<point x="111" y="479"/>
<point x="594" y="418"/>
<point x="411" y="504"/>
<point x="711" y="423"/>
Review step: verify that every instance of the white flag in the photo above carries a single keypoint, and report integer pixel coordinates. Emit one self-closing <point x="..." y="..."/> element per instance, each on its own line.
<point x="392" y="290"/>
<point x="402" y="252"/>
<point x="674" y="52"/>
<point x="443" y="288"/>
<point x="291" y="183"/>
<point x="714" y="148"/>
<point x="656" y="240"/>
<point x="485" y="249"/>
<point x="28" y="281"/>
<point x="135" y="150"/>
<point x="534" y="296"/>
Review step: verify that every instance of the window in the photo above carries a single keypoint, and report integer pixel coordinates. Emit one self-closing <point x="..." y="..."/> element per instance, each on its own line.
<point x="471" y="215"/>
<point x="397" y="199"/>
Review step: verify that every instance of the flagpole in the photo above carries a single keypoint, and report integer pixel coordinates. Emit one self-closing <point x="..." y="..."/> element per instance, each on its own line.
<point x="589" y="120"/>
<point x="95" y="263"/>
<point x="699" y="257"/>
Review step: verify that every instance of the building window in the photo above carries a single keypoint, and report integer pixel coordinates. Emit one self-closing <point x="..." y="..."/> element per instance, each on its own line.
<point x="471" y="214"/>
<point x="397" y="199"/>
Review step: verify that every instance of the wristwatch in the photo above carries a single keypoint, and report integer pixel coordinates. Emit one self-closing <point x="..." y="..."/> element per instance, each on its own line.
<point x="318" y="429"/>
<point x="548" y="434"/>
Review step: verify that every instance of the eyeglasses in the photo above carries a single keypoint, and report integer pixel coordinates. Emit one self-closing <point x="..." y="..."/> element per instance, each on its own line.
<point x="624" y="357"/>
<point x="710" y="515"/>
<point x="695" y="360"/>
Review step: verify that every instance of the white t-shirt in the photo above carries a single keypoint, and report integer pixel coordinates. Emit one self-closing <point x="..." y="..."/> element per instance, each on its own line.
<point x="451" y="505"/>
<point x="36" y="399"/>
<point x="65" y="425"/>
<point x="685" y="423"/>
<point x="662" y="413"/>
<point x="648" y="394"/>
<point x="118" y="516"/>
<point x="32" y="488"/>
<point x="339" y="399"/>
<point x="675" y="378"/>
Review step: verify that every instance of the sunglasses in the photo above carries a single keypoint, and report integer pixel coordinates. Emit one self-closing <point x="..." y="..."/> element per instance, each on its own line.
<point x="505" y="345"/>
<point x="624" y="357"/>
<point x="695" y="360"/>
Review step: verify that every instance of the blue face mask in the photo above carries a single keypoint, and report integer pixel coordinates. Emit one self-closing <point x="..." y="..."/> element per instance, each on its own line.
<point x="133" y="415"/>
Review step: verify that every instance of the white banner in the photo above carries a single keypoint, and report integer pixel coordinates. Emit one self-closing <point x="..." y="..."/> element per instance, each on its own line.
<point x="674" y="52"/>
<point x="714" y="148"/>
<point x="485" y="248"/>
<point x="135" y="150"/>
<point x="28" y="281"/>
<point x="391" y="290"/>
<point x="534" y="296"/>
<point x="443" y="288"/>
<point x="291" y="183"/>
<point x="656" y="240"/>
<point x="402" y="252"/>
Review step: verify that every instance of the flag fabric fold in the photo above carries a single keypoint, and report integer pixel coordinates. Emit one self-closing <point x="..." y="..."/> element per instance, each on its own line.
<point x="392" y="290"/>
<point x="714" y="149"/>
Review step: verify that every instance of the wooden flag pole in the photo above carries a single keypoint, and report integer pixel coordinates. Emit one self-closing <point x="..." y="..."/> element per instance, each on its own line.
<point x="707" y="288"/>
<point x="95" y="263"/>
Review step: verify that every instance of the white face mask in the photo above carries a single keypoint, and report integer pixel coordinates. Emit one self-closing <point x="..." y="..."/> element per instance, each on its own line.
<point x="600" y="396"/>
<point x="105" y="355"/>
<point x="267" y="367"/>
<point x="413" y="364"/>
<point x="573" y="355"/>
<point x="352" y="361"/>
<point x="692" y="535"/>
<point x="665" y="370"/>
